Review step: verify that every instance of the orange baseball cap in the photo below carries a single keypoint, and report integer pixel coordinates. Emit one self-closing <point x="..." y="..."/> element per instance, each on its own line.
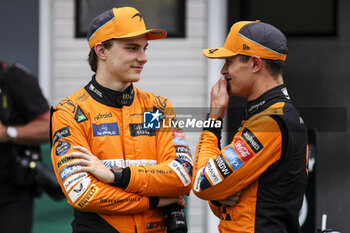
<point x="124" y="22"/>
<point x="252" y="38"/>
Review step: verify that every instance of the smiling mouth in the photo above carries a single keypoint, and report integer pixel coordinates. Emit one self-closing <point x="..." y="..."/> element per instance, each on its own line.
<point x="137" y="67"/>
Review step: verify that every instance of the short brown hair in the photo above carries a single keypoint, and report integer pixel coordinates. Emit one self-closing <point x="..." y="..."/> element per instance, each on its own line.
<point x="92" y="59"/>
<point x="275" y="67"/>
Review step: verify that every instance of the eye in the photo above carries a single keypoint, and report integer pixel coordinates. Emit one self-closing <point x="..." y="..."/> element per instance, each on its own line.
<point x="133" y="48"/>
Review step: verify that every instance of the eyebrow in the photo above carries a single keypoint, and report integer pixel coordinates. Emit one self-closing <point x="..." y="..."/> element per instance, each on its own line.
<point x="136" y="45"/>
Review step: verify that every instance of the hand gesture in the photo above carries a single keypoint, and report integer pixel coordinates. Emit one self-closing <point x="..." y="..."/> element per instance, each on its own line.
<point x="219" y="99"/>
<point x="90" y="163"/>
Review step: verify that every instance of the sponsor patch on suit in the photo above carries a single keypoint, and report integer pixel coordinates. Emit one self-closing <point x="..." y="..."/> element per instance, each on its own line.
<point x="181" y="172"/>
<point x="178" y="141"/>
<point x="68" y="171"/>
<point x="212" y="172"/>
<point x="73" y="180"/>
<point x="61" y="133"/>
<point x="252" y="140"/>
<point x="79" y="189"/>
<point x="139" y="130"/>
<point x="105" y="129"/>
<point x="242" y="149"/>
<point x="88" y="196"/>
<point x="232" y="158"/>
<point x="222" y="166"/>
<point x="62" y="148"/>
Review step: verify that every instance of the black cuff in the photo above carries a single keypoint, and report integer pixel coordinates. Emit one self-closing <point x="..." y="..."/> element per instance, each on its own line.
<point x="118" y="176"/>
<point x="121" y="177"/>
<point x="215" y="130"/>
<point x="216" y="203"/>
<point x="126" y="178"/>
<point x="153" y="202"/>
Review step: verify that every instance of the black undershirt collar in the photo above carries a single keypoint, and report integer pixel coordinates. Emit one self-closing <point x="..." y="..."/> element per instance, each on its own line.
<point x="274" y="95"/>
<point x="109" y="97"/>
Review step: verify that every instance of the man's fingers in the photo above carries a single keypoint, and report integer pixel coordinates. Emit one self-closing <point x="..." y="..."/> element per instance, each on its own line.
<point x="78" y="162"/>
<point x="82" y="149"/>
<point x="80" y="169"/>
<point x="78" y="155"/>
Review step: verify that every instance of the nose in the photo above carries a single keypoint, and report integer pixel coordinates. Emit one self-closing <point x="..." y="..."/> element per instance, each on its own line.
<point x="224" y="69"/>
<point x="142" y="58"/>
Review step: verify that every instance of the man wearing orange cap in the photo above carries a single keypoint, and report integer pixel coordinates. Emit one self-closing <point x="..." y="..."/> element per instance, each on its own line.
<point x="114" y="161"/>
<point x="257" y="182"/>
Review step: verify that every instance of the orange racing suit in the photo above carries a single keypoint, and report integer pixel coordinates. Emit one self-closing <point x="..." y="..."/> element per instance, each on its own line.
<point x="110" y="125"/>
<point x="266" y="159"/>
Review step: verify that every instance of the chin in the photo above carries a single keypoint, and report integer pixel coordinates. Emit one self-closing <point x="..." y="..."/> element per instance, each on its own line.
<point x="134" y="79"/>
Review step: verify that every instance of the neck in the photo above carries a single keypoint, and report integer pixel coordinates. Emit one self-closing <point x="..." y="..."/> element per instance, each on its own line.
<point x="110" y="82"/>
<point x="263" y="84"/>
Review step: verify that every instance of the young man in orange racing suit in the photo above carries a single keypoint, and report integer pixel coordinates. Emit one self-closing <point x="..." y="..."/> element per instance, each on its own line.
<point x="266" y="161"/>
<point x="101" y="127"/>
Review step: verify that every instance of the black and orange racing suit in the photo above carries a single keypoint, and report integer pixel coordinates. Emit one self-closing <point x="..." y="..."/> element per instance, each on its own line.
<point x="157" y="162"/>
<point x="267" y="160"/>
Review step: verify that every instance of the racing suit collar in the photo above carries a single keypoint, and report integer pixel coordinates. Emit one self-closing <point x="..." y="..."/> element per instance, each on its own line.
<point x="111" y="98"/>
<point x="272" y="96"/>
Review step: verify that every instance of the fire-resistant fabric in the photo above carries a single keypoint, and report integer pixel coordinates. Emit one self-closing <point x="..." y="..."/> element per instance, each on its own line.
<point x="110" y="125"/>
<point x="266" y="160"/>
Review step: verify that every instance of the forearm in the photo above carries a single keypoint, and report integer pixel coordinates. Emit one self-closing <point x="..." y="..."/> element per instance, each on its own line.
<point x="35" y="132"/>
<point x="160" y="180"/>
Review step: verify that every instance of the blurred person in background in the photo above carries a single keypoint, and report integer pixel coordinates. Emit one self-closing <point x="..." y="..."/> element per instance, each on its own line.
<point x="257" y="182"/>
<point x="24" y="125"/>
<point x="116" y="170"/>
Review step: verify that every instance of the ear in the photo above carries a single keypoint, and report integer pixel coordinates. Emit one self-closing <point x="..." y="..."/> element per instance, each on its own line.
<point x="100" y="51"/>
<point x="257" y="63"/>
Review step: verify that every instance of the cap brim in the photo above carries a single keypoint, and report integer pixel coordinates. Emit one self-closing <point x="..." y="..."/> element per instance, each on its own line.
<point x="218" y="53"/>
<point x="151" y="34"/>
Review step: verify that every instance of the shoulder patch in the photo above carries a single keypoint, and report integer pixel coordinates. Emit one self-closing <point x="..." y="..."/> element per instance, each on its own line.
<point x="61" y="133"/>
<point x="67" y="104"/>
<point x="252" y="140"/>
<point x="79" y="115"/>
<point x="160" y="101"/>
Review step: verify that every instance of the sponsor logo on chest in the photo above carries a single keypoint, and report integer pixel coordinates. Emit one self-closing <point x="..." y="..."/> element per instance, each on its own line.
<point x="105" y="129"/>
<point x="139" y="130"/>
<point x="103" y="115"/>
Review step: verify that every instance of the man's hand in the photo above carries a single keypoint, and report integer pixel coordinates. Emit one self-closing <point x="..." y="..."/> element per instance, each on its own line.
<point x="231" y="201"/>
<point x="219" y="99"/>
<point x="165" y="201"/>
<point x="3" y="133"/>
<point x="90" y="163"/>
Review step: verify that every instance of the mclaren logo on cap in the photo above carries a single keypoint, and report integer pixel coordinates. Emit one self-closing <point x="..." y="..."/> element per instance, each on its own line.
<point x="139" y="15"/>
<point x="211" y="51"/>
<point x="246" y="47"/>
